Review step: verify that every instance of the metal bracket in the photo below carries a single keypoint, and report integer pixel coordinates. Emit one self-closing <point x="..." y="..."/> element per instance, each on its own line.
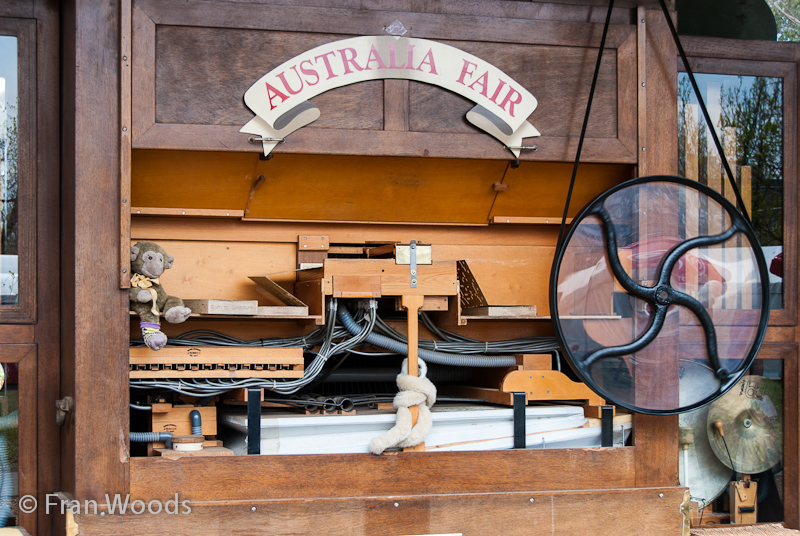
<point x="520" y="403"/>
<point x="253" y="139"/>
<point x="253" y="421"/>
<point x="63" y="406"/>
<point x="413" y="264"/>
<point x="521" y="147"/>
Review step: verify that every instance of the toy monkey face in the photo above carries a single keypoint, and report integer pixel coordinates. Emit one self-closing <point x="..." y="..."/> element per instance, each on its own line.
<point x="150" y="259"/>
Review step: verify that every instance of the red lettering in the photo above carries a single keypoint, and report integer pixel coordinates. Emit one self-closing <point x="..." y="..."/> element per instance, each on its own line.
<point x="483" y="81"/>
<point x="507" y="100"/>
<point x="272" y="93"/>
<point x="428" y="59"/>
<point x="410" y="57"/>
<point x="327" y="63"/>
<point x="348" y="59"/>
<point x="497" y="91"/>
<point x="392" y="64"/>
<point x="309" y="72"/>
<point x="465" y="72"/>
<point x="374" y="56"/>
<point x="286" y="86"/>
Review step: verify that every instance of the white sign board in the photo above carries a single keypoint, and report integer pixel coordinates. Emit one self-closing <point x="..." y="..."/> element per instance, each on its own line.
<point x="280" y="97"/>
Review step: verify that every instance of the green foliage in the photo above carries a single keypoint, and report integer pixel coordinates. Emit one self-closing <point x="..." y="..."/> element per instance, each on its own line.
<point x="787" y="17"/>
<point x="753" y="107"/>
<point x="8" y="189"/>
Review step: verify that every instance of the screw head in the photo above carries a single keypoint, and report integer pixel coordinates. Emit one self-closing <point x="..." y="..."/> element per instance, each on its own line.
<point x="661" y="495"/>
<point x="533" y="500"/>
<point x="252" y="508"/>
<point x="396" y="505"/>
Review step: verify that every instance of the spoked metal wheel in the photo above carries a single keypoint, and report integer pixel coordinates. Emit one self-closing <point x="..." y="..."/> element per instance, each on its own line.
<point x="660" y="295"/>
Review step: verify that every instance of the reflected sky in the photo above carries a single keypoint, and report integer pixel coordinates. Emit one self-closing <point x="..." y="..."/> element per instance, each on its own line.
<point x="8" y="69"/>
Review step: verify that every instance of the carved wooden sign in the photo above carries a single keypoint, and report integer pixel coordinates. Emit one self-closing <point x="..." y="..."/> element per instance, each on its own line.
<point x="280" y="98"/>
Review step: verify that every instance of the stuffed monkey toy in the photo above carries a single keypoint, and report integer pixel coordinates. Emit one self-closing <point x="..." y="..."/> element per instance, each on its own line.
<point x="148" y="297"/>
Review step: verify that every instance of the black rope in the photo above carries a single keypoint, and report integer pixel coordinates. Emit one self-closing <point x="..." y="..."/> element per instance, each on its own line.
<point x="711" y="128"/>
<point x="583" y="128"/>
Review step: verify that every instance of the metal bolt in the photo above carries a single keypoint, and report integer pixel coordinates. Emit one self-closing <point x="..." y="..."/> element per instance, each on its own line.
<point x="642" y="21"/>
<point x="413" y="272"/>
<point x="102" y="514"/>
<point x="396" y="505"/>
<point x="661" y="495"/>
<point x="644" y="213"/>
<point x="227" y="213"/>
<point x="183" y="212"/>
<point x="644" y="149"/>
<point x="124" y="129"/>
<point x="413" y="281"/>
<point x="533" y="500"/>
<point x="305" y="245"/>
<point x="138" y="212"/>
<point x="305" y="238"/>
<point x="642" y="84"/>
<point x="124" y="270"/>
<point x="124" y="200"/>
<point x="124" y="58"/>
<point x="252" y="508"/>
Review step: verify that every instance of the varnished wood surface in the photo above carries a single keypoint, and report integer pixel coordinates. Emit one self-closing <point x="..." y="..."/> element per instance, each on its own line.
<point x="186" y="81"/>
<point x="649" y="512"/>
<point x="95" y="313"/>
<point x="365" y="475"/>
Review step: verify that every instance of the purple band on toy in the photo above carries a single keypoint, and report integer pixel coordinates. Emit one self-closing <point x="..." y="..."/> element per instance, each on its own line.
<point x="155" y="325"/>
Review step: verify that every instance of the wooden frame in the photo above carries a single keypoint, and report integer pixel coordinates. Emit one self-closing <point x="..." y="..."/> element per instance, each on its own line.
<point x="758" y="64"/>
<point x="395" y="138"/>
<point x="25" y="356"/>
<point x="367" y="484"/>
<point x="25" y="32"/>
<point x="755" y="58"/>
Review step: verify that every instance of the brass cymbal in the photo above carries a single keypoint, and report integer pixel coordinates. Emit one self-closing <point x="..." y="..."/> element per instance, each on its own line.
<point x="750" y="416"/>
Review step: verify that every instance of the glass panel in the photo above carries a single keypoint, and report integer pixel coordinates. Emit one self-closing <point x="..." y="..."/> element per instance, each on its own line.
<point x="9" y="445"/>
<point x="747" y="112"/>
<point x="751" y="417"/>
<point x="9" y="168"/>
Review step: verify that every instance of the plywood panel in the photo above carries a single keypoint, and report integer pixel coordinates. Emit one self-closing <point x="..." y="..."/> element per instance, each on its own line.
<point x="221" y="270"/>
<point x="507" y="275"/>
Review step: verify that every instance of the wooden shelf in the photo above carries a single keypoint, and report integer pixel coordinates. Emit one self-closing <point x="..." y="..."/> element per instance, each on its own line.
<point x="191" y="212"/>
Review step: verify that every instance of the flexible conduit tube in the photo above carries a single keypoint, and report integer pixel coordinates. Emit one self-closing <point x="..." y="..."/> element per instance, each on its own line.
<point x="430" y="356"/>
<point x="152" y="437"/>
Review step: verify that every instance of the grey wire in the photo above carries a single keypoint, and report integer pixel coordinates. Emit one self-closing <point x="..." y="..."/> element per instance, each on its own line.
<point x="366" y="317"/>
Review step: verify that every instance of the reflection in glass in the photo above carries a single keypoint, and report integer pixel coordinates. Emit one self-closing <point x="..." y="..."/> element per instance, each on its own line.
<point x="747" y="112"/>
<point x="9" y="171"/>
<point x="9" y="445"/>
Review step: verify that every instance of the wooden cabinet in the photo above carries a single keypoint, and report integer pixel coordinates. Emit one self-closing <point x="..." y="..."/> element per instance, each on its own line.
<point x="388" y="161"/>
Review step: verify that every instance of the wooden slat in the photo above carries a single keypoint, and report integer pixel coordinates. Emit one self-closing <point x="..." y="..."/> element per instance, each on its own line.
<point x="125" y="143"/>
<point x="656" y="438"/>
<point x="190" y="212"/>
<point x="90" y="245"/>
<point x="513" y="514"/>
<point x="530" y="220"/>
<point x="355" y="21"/>
<point x="224" y="138"/>
<point x="365" y="475"/>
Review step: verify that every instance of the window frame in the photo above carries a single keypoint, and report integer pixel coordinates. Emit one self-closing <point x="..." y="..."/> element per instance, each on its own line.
<point x="754" y="62"/>
<point x="24" y="312"/>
